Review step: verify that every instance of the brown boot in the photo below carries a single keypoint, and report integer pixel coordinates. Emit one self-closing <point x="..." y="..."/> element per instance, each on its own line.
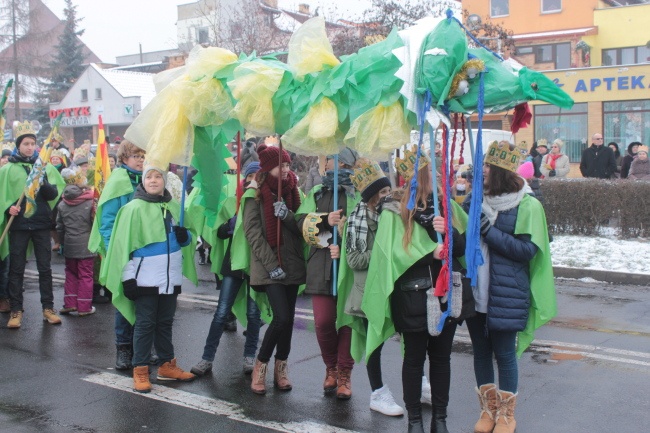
<point x="15" y="319"/>
<point x="344" y="390"/>
<point x="505" y="422"/>
<point x="169" y="371"/>
<point x="50" y="316"/>
<point x="487" y="398"/>
<point x="258" y="377"/>
<point x="4" y="305"/>
<point x="141" y="379"/>
<point x="330" y="379"/>
<point x="280" y="376"/>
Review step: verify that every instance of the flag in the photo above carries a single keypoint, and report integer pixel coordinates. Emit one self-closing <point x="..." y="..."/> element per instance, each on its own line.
<point x="102" y="168"/>
<point x="3" y="104"/>
<point x="35" y="178"/>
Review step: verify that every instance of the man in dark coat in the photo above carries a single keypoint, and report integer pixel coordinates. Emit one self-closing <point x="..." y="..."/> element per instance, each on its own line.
<point x="598" y="160"/>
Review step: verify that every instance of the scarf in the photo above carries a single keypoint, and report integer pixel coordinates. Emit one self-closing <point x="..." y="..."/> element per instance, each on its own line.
<point x="86" y="194"/>
<point x="269" y="192"/>
<point x="493" y="204"/>
<point x="344" y="182"/>
<point x="357" y="239"/>
<point x="553" y="158"/>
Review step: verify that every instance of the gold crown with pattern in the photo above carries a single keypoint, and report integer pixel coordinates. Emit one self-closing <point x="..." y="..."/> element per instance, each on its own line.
<point x="80" y="152"/>
<point x="73" y="176"/>
<point x="57" y="153"/>
<point x="500" y="154"/>
<point x="58" y="137"/>
<point x="367" y="173"/>
<point x="24" y="128"/>
<point x="406" y="167"/>
<point x="8" y="145"/>
<point x="642" y="149"/>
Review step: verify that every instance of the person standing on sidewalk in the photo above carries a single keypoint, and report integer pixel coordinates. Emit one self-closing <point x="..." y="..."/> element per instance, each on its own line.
<point x="598" y="160"/>
<point x="25" y="230"/>
<point x="515" y="292"/>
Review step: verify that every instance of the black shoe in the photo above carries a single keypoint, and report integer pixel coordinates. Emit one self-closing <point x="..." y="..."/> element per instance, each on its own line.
<point x="123" y="357"/>
<point x="415" y="421"/>
<point x="100" y="299"/>
<point x="439" y="420"/>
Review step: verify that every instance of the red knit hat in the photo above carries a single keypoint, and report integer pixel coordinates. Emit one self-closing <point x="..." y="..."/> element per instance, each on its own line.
<point x="270" y="157"/>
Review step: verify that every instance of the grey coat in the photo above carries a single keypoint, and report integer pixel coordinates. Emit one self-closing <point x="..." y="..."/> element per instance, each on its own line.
<point x="264" y="259"/>
<point x="74" y="223"/>
<point x="640" y="169"/>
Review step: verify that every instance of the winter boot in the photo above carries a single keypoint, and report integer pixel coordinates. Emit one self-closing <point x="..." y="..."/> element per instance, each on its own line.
<point x="505" y="422"/>
<point x="280" y="376"/>
<point x="415" y="420"/>
<point x="4" y="305"/>
<point x="344" y="381"/>
<point x="439" y="420"/>
<point x="330" y="379"/>
<point x="487" y="397"/>
<point x="98" y="298"/>
<point x="15" y="319"/>
<point x="50" y="316"/>
<point x="258" y="378"/>
<point x="141" y="381"/>
<point x="170" y="371"/>
<point x="123" y="357"/>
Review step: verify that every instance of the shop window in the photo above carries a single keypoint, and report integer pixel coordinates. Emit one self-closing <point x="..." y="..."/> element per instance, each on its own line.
<point x="98" y="93"/>
<point x="552" y="122"/>
<point x="560" y="54"/>
<point x="626" y="56"/>
<point x="84" y="94"/>
<point x="626" y="121"/>
<point x="549" y="6"/>
<point x="499" y="8"/>
<point x="202" y="35"/>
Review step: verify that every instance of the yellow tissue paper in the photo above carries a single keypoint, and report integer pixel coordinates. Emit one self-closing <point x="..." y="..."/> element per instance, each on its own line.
<point x="379" y="131"/>
<point x="317" y="133"/>
<point x="204" y="102"/>
<point x="204" y="62"/>
<point x="309" y="48"/>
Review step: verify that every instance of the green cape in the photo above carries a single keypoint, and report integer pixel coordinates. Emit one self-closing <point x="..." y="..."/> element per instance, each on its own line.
<point x="129" y="224"/>
<point x="12" y="184"/>
<point x="118" y="184"/>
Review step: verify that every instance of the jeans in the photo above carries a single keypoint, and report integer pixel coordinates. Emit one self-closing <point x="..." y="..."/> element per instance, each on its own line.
<point x="154" y="317"/>
<point x="4" y="278"/>
<point x="78" y="286"/>
<point x="334" y="344"/>
<point x="18" y="242"/>
<point x="283" y="305"/>
<point x="499" y="344"/>
<point x="123" y="330"/>
<point x="416" y="347"/>
<point x="230" y="287"/>
<point x="373" y="367"/>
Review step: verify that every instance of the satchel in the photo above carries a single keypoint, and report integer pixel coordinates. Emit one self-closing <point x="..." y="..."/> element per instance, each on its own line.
<point x="421" y="283"/>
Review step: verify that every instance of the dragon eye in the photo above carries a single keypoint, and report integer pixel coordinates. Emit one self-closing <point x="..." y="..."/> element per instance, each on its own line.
<point x="534" y="86"/>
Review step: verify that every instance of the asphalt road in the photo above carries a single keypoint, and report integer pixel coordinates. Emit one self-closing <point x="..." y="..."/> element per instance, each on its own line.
<point x="588" y="371"/>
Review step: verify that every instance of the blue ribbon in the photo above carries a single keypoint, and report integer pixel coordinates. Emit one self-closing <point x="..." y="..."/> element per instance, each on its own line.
<point x="183" y="197"/>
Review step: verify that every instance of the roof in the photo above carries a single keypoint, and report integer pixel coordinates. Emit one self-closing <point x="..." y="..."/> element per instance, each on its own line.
<point x="571" y="32"/>
<point x="128" y="83"/>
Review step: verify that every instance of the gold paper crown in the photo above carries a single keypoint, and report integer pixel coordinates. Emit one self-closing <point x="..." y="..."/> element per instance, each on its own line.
<point x="542" y="142"/>
<point x="8" y="146"/>
<point x="58" y="137"/>
<point x="499" y="154"/>
<point x="24" y="128"/>
<point x="80" y="152"/>
<point x="314" y="231"/>
<point x="58" y="153"/>
<point x="406" y="167"/>
<point x="642" y="149"/>
<point x="73" y="176"/>
<point x="367" y="173"/>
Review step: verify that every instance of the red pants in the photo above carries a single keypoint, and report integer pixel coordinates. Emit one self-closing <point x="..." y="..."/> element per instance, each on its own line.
<point x="334" y="344"/>
<point x="78" y="287"/>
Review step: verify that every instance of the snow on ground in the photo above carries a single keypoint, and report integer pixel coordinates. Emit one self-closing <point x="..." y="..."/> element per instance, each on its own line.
<point x="601" y="253"/>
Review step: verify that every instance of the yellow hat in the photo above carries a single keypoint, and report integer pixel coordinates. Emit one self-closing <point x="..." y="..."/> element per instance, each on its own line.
<point x="500" y="154"/>
<point x="406" y="167"/>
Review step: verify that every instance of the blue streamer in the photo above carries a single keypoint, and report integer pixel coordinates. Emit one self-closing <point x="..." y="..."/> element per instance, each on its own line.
<point x="183" y="197"/>
<point x="335" y="241"/>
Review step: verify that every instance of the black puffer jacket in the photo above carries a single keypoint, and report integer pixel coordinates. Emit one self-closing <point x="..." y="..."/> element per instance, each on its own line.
<point x="42" y="218"/>
<point x="509" y="293"/>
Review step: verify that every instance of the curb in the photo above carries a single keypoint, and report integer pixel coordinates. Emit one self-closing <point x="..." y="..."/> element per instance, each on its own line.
<point x="605" y="276"/>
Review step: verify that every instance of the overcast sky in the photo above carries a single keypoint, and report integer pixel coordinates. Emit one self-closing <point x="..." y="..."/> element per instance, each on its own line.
<point x="117" y="27"/>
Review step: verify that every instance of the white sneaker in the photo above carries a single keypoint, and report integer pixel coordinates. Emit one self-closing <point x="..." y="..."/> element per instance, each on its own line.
<point x="382" y="401"/>
<point x="426" y="391"/>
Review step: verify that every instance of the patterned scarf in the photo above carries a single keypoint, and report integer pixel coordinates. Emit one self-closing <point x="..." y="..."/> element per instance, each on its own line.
<point x="290" y="196"/>
<point x="357" y="239"/>
<point x="344" y="182"/>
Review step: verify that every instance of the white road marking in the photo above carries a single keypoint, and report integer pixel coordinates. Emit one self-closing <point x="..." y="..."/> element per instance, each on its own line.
<point x="212" y="406"/>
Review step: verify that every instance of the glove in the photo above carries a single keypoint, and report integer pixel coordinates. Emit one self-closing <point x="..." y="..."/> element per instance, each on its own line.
<point x="485" y="224"/>
<point x="130" y="288"/>
<point x="181" y="233"/>
<point x="277" y="274"/>
<point x="231" y="224"/>
<point x="280" y="210"/>
<point x="551" y="173"/>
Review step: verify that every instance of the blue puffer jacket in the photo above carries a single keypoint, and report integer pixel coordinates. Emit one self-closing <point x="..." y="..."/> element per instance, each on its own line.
<point x="509" y="294"/>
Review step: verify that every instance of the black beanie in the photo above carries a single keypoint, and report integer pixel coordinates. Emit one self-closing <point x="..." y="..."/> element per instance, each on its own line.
<point x="22" y="137"/>
<point x="374" y="188"/>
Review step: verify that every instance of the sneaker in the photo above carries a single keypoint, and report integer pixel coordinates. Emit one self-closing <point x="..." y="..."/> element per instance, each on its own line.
<point x="382" y="401"/>
<point x="4" y="305"/>
<point x="202" y="261"/>
<point x="50" y="316"/>
<point x="202" y="368"/>
<point x="249" y="364"/>
<point x="15" y="318"/>
<point x="426" y="391"/>
<point x="123" y="356"/>
<point x="169" y="371"/>
<point x="87" y="313"/>
<point x="65" y="311"/>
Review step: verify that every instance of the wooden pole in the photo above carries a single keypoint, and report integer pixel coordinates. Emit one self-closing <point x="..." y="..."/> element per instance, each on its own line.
<point x="11" y="220"/>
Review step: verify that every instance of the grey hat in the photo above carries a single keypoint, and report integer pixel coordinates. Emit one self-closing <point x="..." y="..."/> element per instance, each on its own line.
<point x="347" y="156"/>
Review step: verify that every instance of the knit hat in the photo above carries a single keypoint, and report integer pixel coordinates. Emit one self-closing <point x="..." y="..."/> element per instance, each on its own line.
<point x="526" y="170"/>
<point x="269" y="157"/>
<point x="252" y="167"/>
<point x="347" y="156"/>
<point x="148" y="168"/>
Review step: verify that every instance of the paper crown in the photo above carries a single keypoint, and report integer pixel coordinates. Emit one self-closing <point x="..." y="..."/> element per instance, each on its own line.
<point x="80" y="152"/>
<point x="73" y="176"/>
<point x="542" y="142"/>
<point x="24" y="128"/>
<point x="499" y="154"/>
<point x="642" y="149"/>
<point x="314" y="230"/>
<point x="58" y="137"/>
<point x="406" y="167"/>
<point x="58" y="154"/>
<point x="366" y="174"/>
<point x="8" y="146"/>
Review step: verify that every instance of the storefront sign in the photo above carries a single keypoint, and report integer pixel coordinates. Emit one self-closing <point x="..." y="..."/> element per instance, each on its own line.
<point x="76" y="116"/>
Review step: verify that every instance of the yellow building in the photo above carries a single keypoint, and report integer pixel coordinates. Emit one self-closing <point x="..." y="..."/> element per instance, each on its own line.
<point x="598" y="51"/>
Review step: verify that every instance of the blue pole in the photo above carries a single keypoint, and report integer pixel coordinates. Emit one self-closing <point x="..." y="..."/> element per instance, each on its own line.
<point x="183" y="197"/>
<point x="471" y="138"/>
<point x="335" y="241"/>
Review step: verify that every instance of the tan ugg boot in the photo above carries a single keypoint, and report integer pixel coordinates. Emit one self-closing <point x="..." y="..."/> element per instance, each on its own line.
<point x="258" y="377"/>
<point x="487" y="398"/>
<point x="505" y="421"/>
<point x="141" y="381"/>
<point x="281" y="376"/>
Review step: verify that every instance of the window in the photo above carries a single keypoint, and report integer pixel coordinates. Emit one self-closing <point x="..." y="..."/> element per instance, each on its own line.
<point x="551" y="6"/>
<point x="560" y="54"/>
<point x="522" y="51"/>
<point x="626" y="121"/>
<point x="202" y="35"/>
<point x="84" y="94"/>
<point x="626" y="56"/>
<point x="499" y="8"/>
<point x="552" y="122"/>
<point x="98" y="93"/>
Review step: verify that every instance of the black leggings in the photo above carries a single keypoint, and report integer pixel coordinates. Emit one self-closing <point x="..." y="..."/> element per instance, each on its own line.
<point x="283" y="305"/>
<point x="416" y="347"/>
